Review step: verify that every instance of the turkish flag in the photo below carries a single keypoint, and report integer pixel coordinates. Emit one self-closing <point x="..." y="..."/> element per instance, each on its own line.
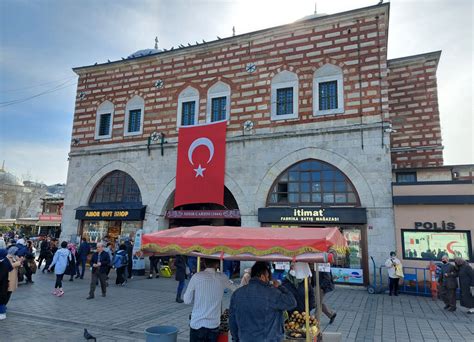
<point x="201" y="164"/>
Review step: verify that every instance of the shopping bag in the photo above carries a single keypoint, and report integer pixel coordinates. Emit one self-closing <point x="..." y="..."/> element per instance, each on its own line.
<point x="399" y="271"/>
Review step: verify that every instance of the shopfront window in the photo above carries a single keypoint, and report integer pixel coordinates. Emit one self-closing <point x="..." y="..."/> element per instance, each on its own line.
<point x="116" y="187"/>
<point x="349" y="268"/>
<point x="432" y="245"/>
<point x="96" y="231"/>
<point x="313" y="182"/>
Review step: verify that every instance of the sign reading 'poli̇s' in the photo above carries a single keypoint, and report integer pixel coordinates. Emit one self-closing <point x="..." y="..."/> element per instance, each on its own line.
<point x="201" y="164"/>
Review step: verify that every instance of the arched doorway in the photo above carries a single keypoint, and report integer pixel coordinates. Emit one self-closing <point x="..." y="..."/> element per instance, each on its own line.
<point x="115" y="210"/>
<point x="207" y="214"/>
<point x="313" y="194"/>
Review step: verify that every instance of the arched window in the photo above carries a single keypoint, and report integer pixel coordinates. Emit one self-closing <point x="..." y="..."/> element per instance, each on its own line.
<point x="116" y="187"/>
<point x="104" y="120"/>
<point x="328" y="90"/>
<point x="312" y="182"/>
<point x="218" y="102"/>
<point x="188" y="107"/>
<point x="134" y="114"/>
<point x="284" y="96"/>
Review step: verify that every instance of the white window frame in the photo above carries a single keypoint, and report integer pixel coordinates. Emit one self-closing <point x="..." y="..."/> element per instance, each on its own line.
<point x="220" y="89"/>
<point x="284" y="79"/>
<point x="328" y="73"/>
<point x="105" y="107"/>
<point x="134" y="103"/>
<point x="188" y="95"/>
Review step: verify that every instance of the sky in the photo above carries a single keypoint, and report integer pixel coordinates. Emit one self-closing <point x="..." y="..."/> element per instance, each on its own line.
<point x="41" y="40"/>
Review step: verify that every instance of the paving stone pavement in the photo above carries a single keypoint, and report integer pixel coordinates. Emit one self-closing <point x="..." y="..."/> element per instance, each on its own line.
<point x="35" y="315"/>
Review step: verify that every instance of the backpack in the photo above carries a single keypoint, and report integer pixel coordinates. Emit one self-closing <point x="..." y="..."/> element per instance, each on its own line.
<point x="120" y="260"/>
<point x="124" y="259"/>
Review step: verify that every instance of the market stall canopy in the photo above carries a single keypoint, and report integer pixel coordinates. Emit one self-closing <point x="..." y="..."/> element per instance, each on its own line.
<point x="239" y="243"/>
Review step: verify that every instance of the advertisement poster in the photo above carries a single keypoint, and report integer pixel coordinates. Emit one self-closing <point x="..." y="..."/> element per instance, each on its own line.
<point x="433" y="245"/>
<point x="138" y="261"/>
<point x="348" y="275"/>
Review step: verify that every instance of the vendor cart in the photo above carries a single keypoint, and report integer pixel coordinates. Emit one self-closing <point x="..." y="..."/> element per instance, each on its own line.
<point x="254" y="244"/>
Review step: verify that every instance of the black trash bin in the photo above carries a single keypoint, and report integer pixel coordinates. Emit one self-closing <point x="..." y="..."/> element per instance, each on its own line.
<point x="161" y="333"/>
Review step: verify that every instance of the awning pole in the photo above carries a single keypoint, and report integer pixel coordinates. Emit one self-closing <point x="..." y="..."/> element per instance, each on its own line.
<point x="317" y="292"/>
<point x="198" y="264"/>
<point x="306" y="308"/>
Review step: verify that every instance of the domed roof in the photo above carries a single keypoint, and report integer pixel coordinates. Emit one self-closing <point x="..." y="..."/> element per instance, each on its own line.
<point x="311" y="16"/>
<point x="144" y="52"/>
<point x="8" y="178"/>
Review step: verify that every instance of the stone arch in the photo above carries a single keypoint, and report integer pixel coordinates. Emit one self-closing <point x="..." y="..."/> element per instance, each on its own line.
<point x="337" y="160"/>
<point x="90" y="185"/>
<point x="162" y="201"/>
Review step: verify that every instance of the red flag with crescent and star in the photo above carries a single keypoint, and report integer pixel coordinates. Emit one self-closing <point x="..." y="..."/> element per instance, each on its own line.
<point x="201" y="164"/>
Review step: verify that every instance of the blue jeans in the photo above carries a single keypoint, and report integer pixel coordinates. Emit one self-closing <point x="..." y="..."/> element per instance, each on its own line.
<point x="83" y="267"/>
<point x="180" y="288"/>
<point x="204" y="335"/>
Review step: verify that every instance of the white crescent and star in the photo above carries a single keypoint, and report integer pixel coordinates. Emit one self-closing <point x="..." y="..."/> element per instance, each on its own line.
<point x="195" y="144"/>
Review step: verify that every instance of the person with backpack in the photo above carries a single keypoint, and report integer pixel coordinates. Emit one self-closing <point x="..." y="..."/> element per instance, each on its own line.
<point x="61" y="259"/>
<point x="120" y="263"/>
<point x="83" y="252"/>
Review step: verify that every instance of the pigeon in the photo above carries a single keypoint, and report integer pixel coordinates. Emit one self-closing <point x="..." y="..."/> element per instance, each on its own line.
<point x="380" y="2"/>
<point x="108" y="60"/>
<point x="95" y="63"/>
<point x="88" y="336"/>
<point x="218" y="37"/>
<point x="123" y="59"/>
<point x="165" y="50"/>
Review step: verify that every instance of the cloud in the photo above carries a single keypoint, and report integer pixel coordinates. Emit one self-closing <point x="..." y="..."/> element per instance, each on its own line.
<point x="44" y="162"/>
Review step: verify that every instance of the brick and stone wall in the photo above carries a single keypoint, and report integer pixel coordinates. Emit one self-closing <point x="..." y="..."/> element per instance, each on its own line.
<point x="414" y="113"/>
<point x="356" y="41"/>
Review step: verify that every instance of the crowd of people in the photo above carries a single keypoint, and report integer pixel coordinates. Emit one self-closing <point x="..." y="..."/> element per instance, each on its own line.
<point x="18" y="263"/>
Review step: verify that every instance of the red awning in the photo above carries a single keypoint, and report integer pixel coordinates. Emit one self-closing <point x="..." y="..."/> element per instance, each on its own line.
<point x="238" y="243"/>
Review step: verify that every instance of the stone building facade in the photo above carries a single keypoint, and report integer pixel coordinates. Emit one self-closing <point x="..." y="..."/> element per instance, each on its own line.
<point x="349" y="139"/>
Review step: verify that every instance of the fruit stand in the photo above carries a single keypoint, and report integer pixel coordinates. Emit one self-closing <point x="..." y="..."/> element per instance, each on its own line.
<point x="256" y="244"/>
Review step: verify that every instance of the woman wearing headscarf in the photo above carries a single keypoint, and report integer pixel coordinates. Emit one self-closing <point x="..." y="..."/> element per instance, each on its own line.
<point x="15" y="262"/>
<point x="5" y="268"/>
<point x="466" y="283"/>
<point x="72" y="262"/>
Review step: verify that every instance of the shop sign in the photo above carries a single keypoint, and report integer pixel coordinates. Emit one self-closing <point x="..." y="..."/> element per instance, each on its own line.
<point x="348" y="275"/>
<point x="205" y="214"/>
<point x="313" y="215"/>
<point x="51" y="217"/>
<point x="435" y="225"/>
<point x="116" y="214"/>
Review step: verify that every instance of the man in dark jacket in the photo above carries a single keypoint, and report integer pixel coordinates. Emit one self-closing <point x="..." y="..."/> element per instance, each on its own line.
<point x="466" y="283"/>
<point x="256" y="310"/>
<point x="45" y="250"/>
<point x="100" y="262"/>
<point x="129" y="247"/>
<point x="448" y="284"/>
<point x="82" y="253"/>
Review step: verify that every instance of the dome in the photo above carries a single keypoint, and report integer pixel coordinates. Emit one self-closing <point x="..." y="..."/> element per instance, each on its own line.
<point x="311" y="16"/>
<point x="145" y="52"/>
<point x="7" y="178"/>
